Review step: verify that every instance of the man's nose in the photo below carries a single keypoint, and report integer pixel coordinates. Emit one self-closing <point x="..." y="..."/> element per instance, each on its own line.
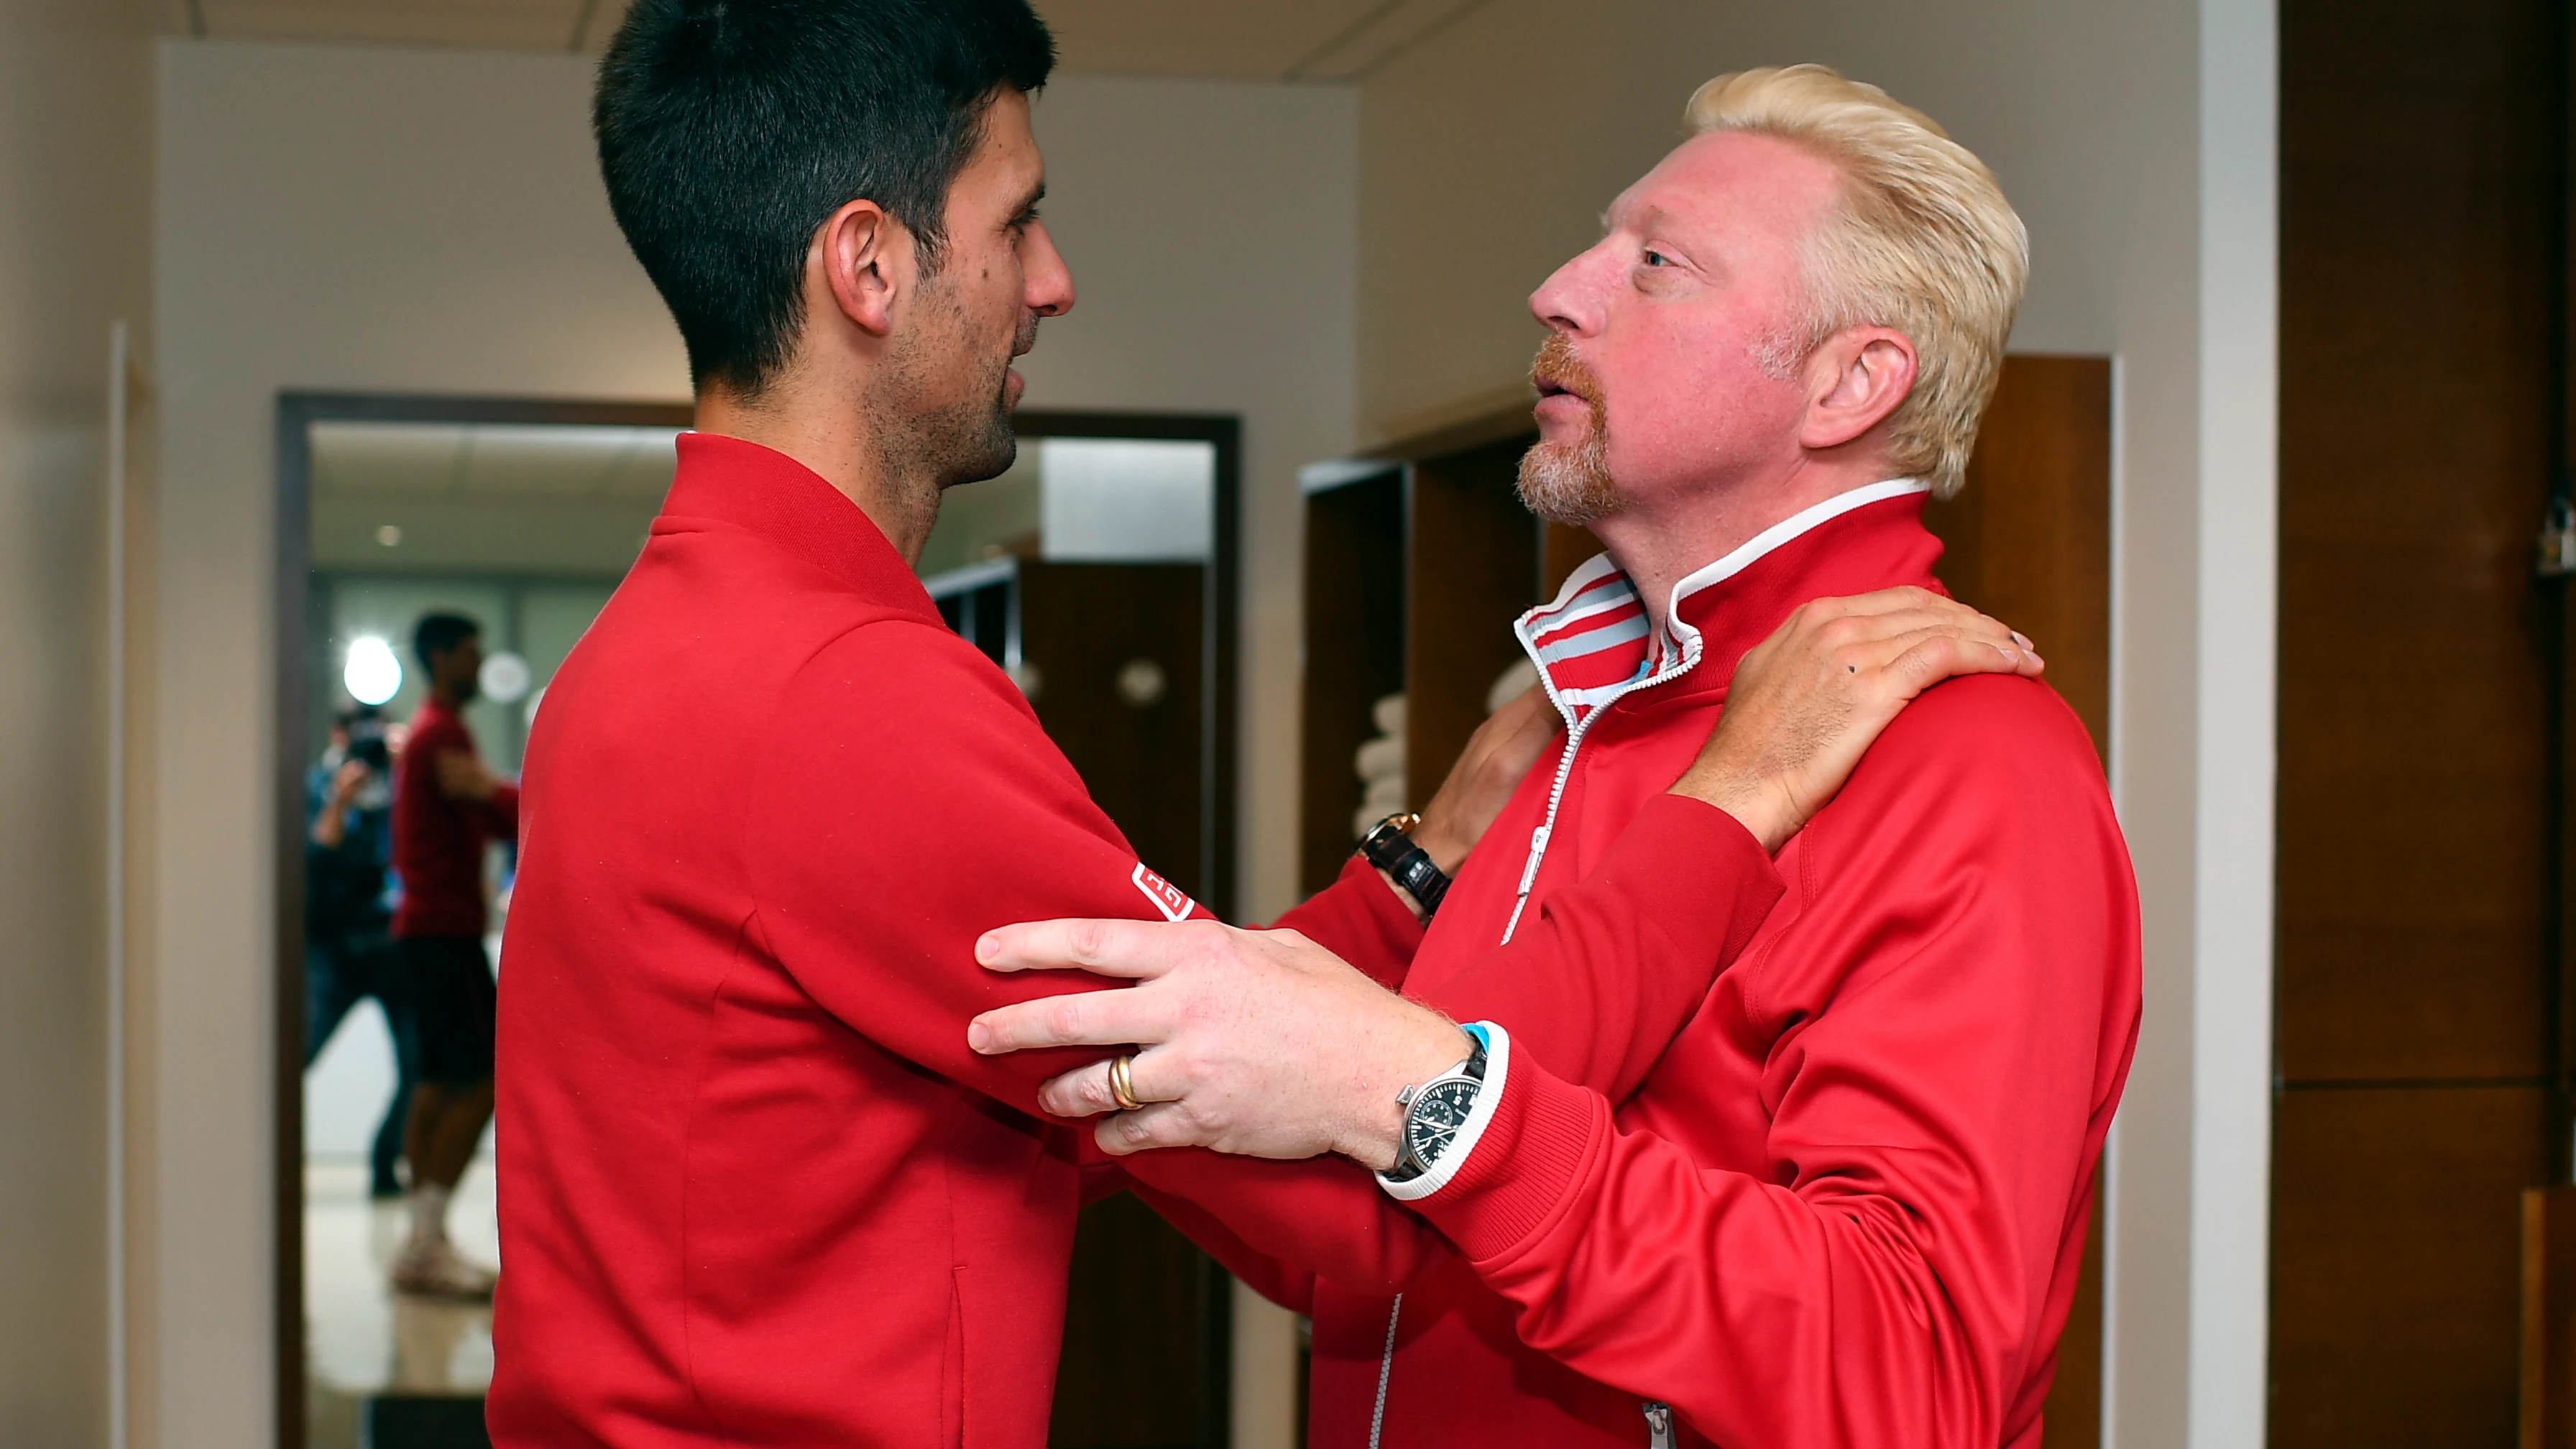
<point x="1050" y="281"/>
<point x="1569" y="300"/>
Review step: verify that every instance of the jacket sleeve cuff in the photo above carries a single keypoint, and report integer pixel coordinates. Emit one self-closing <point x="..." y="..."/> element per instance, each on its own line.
<point x="1529" y="1153"/>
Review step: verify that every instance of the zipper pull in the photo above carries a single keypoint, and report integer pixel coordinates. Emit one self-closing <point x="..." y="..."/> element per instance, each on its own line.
<point x="1659" y="1424"/>
<point x="1538" y="851"/>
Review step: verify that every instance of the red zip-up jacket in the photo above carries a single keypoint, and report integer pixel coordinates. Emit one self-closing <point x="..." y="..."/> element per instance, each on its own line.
<point x="1847" y="1205"/>
<point x="754" y="1188"/>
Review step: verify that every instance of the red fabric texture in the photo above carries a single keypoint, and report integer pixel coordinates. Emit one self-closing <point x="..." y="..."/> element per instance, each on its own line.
<point x="755" y="1189"/>
<point x="438" y="841"/>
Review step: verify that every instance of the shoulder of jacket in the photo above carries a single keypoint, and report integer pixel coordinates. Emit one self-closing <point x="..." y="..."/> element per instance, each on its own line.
<point x="1988" y="722"/>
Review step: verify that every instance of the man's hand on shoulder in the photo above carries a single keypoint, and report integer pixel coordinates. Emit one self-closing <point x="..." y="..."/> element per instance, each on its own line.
<point x="1260" y="1043"/>
<point x="1807" y="702"/>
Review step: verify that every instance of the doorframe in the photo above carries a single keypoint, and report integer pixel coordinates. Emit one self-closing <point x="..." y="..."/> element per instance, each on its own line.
<point x="299" y="410"/>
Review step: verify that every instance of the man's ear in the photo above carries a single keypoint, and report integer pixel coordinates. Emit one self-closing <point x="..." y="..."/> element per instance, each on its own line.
<point x="867" y="260"/>
<point x="1859" y="376"/>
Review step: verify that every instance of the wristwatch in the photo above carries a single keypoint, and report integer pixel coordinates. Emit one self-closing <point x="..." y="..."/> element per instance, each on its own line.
<point x="1435" y="1110"/>
<point x="1389" y="846"/>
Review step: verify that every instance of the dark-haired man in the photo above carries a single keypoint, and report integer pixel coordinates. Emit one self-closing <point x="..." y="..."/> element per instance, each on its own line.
<point x="756" y="1188"/>
<point x="448" y="807"/>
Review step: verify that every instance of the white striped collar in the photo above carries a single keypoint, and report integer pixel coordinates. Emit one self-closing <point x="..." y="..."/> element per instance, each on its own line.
<point x="1682" y="638"/>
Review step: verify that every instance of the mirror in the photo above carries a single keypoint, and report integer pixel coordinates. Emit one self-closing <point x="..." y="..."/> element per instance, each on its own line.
<point x="1098" y="572"/>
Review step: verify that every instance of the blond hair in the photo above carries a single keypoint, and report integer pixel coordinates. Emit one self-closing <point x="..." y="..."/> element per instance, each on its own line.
<point x="1922" y="241"/>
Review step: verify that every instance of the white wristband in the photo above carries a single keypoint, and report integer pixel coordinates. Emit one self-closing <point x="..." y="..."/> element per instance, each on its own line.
<point x="1498" y="1068"/>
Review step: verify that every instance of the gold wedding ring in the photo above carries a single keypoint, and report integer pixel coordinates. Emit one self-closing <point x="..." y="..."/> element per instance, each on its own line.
<point x="1122" y="1082"/>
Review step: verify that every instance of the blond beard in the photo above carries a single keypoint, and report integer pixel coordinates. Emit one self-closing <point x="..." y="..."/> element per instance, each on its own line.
<point x="1570" y="482"/>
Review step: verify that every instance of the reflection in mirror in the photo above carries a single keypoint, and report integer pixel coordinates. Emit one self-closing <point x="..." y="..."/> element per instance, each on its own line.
<point x="1097" y="572"/>
<point x="523" y="530"/>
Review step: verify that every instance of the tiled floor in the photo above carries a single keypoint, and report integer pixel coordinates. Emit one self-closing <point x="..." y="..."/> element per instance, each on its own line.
<point x="362" y="1340"/>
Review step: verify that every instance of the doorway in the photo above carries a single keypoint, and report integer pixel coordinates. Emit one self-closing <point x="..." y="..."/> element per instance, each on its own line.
<point x="1101" y="571"/>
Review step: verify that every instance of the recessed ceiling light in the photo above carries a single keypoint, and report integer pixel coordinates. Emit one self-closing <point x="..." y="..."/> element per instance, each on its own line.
<point x="372" y="675"/>
<point x="388" y="534"/>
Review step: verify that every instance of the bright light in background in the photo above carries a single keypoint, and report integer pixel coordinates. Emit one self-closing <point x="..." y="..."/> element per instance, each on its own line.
<point x="373" y="673"/>
<point x="504" y="677"/>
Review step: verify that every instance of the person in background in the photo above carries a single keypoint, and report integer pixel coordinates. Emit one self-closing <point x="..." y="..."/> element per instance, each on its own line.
<point x="348" y="916"/>
<point x="448" y="807"/>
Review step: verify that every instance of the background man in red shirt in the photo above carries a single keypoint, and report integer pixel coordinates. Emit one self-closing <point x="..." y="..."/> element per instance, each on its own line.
<point x="448" y="807"/>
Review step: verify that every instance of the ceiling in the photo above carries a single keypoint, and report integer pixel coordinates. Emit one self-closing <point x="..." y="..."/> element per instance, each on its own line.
<point x="1298" y="40"/>
<point x="468" y="462"/>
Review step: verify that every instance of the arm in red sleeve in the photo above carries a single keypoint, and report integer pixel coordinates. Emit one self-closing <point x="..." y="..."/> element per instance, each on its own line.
<point x="1359" y="919"/>
<point x="1950" y="1019"/>
<point x="1596" y="986"/>
<point x="905" y="802"/>
<point x="502" y="812"/>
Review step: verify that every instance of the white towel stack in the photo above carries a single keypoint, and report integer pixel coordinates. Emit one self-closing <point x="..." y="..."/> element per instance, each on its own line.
<point x="1380" y="765"/>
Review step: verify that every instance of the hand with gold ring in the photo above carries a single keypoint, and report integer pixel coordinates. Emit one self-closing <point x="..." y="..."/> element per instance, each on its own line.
<point x="1122" y="1082"/>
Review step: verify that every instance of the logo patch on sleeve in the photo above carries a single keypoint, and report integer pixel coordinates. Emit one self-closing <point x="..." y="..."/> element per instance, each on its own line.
<point x="1166" y="896"/>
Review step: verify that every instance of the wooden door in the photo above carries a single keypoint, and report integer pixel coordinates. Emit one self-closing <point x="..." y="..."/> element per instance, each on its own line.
<point x="2419" y="151"/>
<point x="2028" y="540"/>
<point x="1112" y="653"/>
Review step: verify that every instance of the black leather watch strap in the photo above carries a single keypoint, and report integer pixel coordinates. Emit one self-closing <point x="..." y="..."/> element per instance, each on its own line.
<point x="1391" y="850"/>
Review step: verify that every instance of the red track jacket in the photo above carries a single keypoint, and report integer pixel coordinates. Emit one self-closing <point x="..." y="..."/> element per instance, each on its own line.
<point x="1846" y="1207"/>
<point x="755" y="1190"/>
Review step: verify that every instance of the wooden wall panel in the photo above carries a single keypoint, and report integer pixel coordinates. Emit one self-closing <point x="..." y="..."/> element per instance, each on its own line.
<point x="1473" y="569"/>
<point x="2548" y="1367"/>
<point x="1354" y="656"/>
<point x="2419" y="173"/>
<point x="2416" y="262"/>
<point x="2396" y="1263"/>
<point x="1563" y="548"/>
<point x="2028" y="540"/>
<point x="1081" y="625"/>
<point x="1138" y="1337"/>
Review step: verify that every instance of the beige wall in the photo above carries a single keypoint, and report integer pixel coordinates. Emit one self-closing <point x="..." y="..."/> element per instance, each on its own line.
<point x="2136" y="138"/>
<point x="432" y="221"/>
<point x="75" y="137"/>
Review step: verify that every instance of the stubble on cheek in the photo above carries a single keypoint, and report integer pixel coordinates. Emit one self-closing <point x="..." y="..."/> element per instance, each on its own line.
<point x="945" y="420"/>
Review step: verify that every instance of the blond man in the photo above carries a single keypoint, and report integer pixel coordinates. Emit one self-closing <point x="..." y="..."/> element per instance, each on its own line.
<point x="1844" y="1202"/>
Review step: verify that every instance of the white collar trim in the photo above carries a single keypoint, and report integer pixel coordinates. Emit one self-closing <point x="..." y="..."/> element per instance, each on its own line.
<point x="1685" y="638"/>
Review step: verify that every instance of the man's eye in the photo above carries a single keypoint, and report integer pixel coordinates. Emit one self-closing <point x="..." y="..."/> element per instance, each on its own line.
<point x="1656" y="259"/>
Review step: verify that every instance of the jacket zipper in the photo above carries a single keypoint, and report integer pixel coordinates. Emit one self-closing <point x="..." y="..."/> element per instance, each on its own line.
<point x="1659" y="1425"/>
<point x="1574" y="735"/>
<point x="1575" y="731"/>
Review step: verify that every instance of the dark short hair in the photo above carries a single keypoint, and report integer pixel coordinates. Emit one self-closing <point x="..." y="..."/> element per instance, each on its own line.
<point x="730" y="129"/>
<point x="435" y="634"/>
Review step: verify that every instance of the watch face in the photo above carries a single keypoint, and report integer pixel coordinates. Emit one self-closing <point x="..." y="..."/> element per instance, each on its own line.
<point x="1437" y="1115"/>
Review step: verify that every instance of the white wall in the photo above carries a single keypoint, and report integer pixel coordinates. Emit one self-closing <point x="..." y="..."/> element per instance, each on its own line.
<point x="2136" y="138"/>
<point x="75" y="137"/>
<point x="432" y="221"/>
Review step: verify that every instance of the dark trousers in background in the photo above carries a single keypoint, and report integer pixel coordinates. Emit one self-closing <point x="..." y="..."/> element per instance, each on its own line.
<point x="338" y="974"/>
